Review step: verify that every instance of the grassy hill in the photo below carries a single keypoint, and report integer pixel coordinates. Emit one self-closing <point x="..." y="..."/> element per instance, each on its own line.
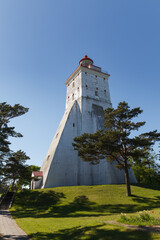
<point x="82" y="212"/>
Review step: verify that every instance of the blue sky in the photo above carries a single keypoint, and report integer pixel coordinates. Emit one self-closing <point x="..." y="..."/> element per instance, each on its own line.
<point x="41" y="43"/>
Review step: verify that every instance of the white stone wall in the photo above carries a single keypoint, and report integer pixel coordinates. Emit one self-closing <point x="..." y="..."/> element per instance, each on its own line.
<point x="36" y="184"/>
<point x="87" y="83"/>
<point x="95" y="87"/>
<point x="74" y="89"/>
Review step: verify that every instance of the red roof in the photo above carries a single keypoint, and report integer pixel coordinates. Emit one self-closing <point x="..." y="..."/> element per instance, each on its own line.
<point x="37" y="174"/>
<point x="86" y="58"/>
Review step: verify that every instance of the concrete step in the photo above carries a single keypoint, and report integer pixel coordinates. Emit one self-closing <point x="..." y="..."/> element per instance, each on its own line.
<point x="5" y="204"/>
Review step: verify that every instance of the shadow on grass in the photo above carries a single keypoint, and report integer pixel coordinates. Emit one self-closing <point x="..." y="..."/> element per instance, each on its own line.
<point x="47" y="204"/>
<point x="14" y="237"/>
<point x="149" y="202"/>
<point x="38" y="199"/>
<point x="149" y="186"/>
<point x="92" y="233"/>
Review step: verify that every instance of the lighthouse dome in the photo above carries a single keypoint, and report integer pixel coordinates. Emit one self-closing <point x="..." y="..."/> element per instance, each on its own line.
<point x="86" y="61"/>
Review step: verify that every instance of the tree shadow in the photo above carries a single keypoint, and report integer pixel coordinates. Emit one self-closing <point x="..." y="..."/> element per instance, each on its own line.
<point x="33" y="202"/>
<point x="93" y="233"/>
<point x="14" y="237"/>
<point x="38" y="199"/>
<point x="148" y="186"/>
<point x="80" y="203"/>
<point x="53" y="208"/>
<point x="149" y="202"/>
<point x="47" y="204"/>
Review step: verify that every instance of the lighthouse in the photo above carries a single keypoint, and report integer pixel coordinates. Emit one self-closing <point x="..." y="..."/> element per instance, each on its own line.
<point x="87" y="97"/>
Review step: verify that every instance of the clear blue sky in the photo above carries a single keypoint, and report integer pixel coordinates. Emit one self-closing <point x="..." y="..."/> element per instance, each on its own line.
<point x="41" y="43"/>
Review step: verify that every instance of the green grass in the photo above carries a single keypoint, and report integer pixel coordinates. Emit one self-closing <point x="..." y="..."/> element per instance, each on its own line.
<point x="82" y="212"/>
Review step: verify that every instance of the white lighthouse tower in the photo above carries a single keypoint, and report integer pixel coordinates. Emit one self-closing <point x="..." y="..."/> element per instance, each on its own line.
<point x="87" y="97"/>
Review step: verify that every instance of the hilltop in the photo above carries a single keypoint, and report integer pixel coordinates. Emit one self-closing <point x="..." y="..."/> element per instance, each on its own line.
<point x="82" y="212"/>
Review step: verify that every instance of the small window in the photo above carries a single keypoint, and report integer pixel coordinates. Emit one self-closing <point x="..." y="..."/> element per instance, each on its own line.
<point x="86" y="86"/>
<point x="57" y="135"/>
<point x="104" y="78"/>
<point x="96" y="76"/>
<point x="97" y="88"/>
<point x="105" y="90"/>
<point x="73" y="125"/>
<point x="85" y="72"/>
<point x="96" y="93"/>
<point x="73" y="96"/>
<point x="68" y="97"/>
<point x="78" y="89"/>
<point x="73" y="84"/>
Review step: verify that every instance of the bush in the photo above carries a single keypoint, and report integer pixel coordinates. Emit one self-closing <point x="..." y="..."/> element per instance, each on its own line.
<point x="143" y="218"/>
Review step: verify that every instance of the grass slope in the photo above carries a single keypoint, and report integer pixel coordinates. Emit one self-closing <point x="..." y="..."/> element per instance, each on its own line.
<point x="81" y="212"/>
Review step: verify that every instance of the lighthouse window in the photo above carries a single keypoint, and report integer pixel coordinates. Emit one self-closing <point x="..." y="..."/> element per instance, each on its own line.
<point x="73" y="97"/>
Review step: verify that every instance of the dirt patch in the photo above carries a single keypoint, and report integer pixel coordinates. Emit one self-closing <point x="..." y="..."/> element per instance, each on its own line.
<point x="154" y="228"/>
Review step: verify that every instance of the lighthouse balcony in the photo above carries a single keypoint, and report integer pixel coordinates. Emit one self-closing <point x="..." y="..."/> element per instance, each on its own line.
<point x="94" y="67"/>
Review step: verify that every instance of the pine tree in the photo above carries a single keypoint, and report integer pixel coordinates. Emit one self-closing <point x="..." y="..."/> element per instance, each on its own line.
<point x="115" y="142"/>
<point x="16" y="168"/>
<point x="8" y="112"/>
<point x="147" y="170"/>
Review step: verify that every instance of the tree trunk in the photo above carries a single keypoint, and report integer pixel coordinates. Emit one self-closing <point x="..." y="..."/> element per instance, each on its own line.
<point x="12" y="187"/>
<point x="150" y="179"/>
<point x="128" y="187"/>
